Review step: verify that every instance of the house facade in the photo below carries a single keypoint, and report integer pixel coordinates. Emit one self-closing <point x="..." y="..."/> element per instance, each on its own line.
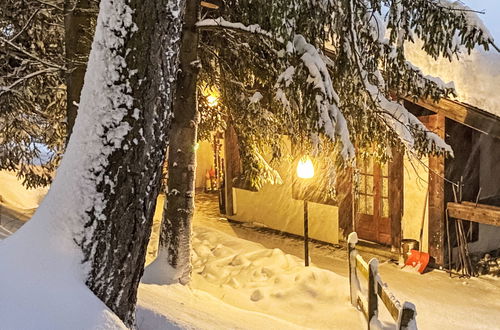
<point x="403" y="199"/>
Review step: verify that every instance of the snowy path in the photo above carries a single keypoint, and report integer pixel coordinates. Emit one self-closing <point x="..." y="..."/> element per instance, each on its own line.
<point x="442" y="302"/>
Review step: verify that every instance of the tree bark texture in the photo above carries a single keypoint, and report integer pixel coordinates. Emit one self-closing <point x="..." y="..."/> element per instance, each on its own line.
<point x="118" y="229"/>
<point x="79" y="25"/>
<point x="175" y="237"/>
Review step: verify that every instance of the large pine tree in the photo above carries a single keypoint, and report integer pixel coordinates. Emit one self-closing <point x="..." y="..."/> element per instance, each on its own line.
<point x="97" y="215"/>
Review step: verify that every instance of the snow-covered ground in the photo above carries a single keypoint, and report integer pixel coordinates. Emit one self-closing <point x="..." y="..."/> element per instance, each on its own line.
<point x="248" y="278"/>
<point x="442" y="302"/>
<point x="40" y="287"/>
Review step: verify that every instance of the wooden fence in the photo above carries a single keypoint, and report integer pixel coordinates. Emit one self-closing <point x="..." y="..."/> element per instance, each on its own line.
<point x="404" y="315"/>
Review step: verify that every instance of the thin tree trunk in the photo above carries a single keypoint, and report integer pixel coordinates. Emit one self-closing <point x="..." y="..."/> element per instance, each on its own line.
<point x="141" y="66"/>
<point x="79" y="18"/>
<point x="173" y="262"/>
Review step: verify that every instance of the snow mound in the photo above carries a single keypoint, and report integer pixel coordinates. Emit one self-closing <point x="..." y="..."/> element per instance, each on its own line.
<point x="41" y="284"/>
<point x="179" y="307"/>
<point x="247" y="275"/>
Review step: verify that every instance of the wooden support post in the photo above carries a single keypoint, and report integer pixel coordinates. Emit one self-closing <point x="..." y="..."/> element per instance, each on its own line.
<point x="372" y="289"/>
<point x="346" y="202"/>
<point x="306" y="234"/>
<point x="436" y="230"/>
<point x="396" y="183"/>
<point x="231" y="166"/>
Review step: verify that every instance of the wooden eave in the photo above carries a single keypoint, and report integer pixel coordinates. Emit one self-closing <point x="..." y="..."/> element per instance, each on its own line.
<point x="463" y="113"/>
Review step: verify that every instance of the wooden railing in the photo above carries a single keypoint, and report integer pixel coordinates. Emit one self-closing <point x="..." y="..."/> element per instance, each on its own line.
<point x="404" y="315"/>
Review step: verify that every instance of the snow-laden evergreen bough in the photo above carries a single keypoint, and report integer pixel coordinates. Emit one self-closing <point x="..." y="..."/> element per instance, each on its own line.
<point x="96" y="219"/>
<point x="32" y="90"/>
<point x="330" y="72"/>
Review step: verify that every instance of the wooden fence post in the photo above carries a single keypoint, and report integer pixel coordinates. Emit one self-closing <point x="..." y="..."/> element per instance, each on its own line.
<point x="408" y="314"/>
<point x="353" y="282"/>
<point x="372" y="290"/>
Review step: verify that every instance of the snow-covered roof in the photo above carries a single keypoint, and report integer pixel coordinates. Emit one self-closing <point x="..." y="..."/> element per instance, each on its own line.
<point x="476" y="76"/>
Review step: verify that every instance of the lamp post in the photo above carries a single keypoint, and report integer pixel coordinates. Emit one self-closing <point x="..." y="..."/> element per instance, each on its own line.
<point x="305" y="170"/>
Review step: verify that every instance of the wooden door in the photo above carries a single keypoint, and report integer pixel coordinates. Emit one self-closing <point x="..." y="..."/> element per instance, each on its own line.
<point x="373" y="220"/>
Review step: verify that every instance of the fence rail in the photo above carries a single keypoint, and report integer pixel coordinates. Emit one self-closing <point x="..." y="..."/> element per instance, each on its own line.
<point x="404" y="315"/>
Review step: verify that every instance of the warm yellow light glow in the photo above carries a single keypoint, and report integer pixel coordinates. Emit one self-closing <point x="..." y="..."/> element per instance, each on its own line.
<point x="305" y="168"/>
<point x="196" y="146"/>
<point x="212" y="100"/>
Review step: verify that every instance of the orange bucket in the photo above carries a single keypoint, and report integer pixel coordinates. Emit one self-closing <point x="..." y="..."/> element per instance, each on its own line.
<point x="418" y="259"/>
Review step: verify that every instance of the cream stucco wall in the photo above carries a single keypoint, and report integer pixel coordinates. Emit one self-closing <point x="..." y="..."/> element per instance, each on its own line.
<point x="415" y="204"/>
<point x="204" y="162"/>
<point x="274" y="207"/>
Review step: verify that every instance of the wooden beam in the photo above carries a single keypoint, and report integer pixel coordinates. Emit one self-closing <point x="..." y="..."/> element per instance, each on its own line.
<point x="396" y="197"/>
<point x="468" y="115"/>
<point x="389" y="301"/>
<point x="437" y="229"/>
<point x="486" y="214"/>
<point x="346" y="202"/>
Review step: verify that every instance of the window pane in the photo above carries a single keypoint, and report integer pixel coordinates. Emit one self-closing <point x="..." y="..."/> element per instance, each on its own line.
<point x="385" y="169"/>
<point x="369" y="205"/>
<point x="362" y="184"/>
<point x="369" y="185"/>
<point x="385" y="207"/>
<point x="370" y="165"/>
<point x="385" y="187"/>
<point x="362" y="204"/>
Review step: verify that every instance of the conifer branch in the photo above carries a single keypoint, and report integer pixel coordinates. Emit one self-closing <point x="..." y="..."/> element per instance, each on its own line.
<point x="6" y="89"/>
<point x="36" y="58"/>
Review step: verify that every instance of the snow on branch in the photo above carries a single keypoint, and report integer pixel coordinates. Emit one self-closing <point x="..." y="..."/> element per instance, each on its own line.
<point x="331" y="121"/>
<point x="474" y="23"/>
<point x="394" y="114"/>
<point x="221" y="22"/>
<point x="401" y="120"/>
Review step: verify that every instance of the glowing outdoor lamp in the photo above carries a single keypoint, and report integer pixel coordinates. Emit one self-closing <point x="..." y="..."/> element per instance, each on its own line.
<point x="305" y="170"/>
<point x="212" y="100"/>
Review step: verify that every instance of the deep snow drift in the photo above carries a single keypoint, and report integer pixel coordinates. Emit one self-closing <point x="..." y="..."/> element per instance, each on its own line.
<point x="41" y="286"/>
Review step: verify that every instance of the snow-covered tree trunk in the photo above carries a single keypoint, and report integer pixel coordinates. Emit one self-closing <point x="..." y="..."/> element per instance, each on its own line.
<point x="103" y="197"/>
<point x="173" y="262"/>
<point x="134" y="59"/>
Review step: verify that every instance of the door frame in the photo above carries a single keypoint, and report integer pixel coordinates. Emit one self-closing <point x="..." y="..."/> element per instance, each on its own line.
<point x="395" y="200"/>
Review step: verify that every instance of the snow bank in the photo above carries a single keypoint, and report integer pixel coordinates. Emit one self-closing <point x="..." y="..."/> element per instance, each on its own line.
<point x="476" y="76"/>
<point x="41" y="285"/>
<point x="249" y="276"/>
<point x="179" y="307"/>
<point x="238" y="284"/>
